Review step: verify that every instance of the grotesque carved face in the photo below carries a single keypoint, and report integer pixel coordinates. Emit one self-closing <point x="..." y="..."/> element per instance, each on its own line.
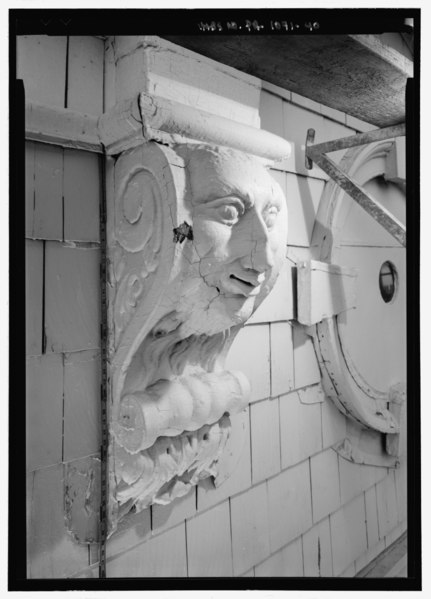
<point x="239" y="228"/>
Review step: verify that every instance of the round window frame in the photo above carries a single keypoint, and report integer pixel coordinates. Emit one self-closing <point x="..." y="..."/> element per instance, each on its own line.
<point x="341" y="380"/>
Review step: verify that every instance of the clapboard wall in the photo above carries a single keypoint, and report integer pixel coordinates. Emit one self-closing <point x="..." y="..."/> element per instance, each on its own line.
<point x="293" y="507"/>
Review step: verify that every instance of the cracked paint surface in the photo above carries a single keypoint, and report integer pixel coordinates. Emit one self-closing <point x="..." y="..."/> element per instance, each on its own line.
<point x="177" y="307"/>
<point x="82" y="499"/>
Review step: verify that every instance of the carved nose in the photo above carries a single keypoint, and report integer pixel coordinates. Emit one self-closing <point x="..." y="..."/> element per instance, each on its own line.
<point x="260" y="257"/>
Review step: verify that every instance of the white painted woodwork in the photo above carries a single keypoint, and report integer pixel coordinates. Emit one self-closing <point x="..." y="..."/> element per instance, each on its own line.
<point x="178" y="308"/>
<point x="265" y="439"/>
<point x="85" y="74"/>
<point x="82" y="191"/>
<point x="81" y="404"/>
<point x="62" y="127"/>
<point x="82" y="495"/>
<point x="33" y="296"/>
<point x="72" y="288"/>
<point x="132" y="531"/>
<point x="48" y="192"/>
<point x="317" y="550"/>
<point x="371" y="517"/>
<point x="250" y="528"/>
<point x="41" y="63"/>
<point x="356" y="478"/>
<point x="401" y="490"/>
<point x="109" y="91"/>
<point x="282" y="359"/>
<point x="209" y="545"/>
<point x="271" y="112"/>
<point x="396" y="162"/>
<point x="29" y="188"/>
<point x="360" y="380"/>
<point x="303" y="196"/>
<point x="286" y="562"/>
<point x="237" y="443"/>
<point x="237" y="471"/>
<point x="311" y="395"/>
<point x="348" y="535"/>
<point x="162" y="68"/>
<point x="325" y="497"/>
<point x="300" y="429"/>
<point x="324" y="290"/>
<point x="364" y="446"/>
<point x="305" y="361"/>
<point x="250" y="353"/>
<point x="163" y="556"/>
<point x="387" y="504"/>
<point x="278" y="306"/>
<point x="167" y="516"/>
<point x="51" y="553"/>
<point x="44" y="410"/>
<point x="289" y="504"/>
<point x="374" y="323"/>
<point x="264" y="519"/>
<point x="170" y="122"/>
<point x="333" y="424"/>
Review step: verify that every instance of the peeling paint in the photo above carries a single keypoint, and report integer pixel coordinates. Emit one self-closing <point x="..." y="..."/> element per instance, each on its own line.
<point x="82" y="499"/>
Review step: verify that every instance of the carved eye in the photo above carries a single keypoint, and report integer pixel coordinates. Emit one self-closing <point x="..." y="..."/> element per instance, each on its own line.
<point x="270" y="216"/>
<point x="229" y="214"/>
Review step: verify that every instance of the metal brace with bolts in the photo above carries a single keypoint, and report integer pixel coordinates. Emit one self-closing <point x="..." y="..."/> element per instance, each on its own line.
<point x="317" y="153"/>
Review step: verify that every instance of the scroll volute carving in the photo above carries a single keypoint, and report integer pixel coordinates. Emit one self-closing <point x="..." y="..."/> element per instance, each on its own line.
<point x="198" y="241"/>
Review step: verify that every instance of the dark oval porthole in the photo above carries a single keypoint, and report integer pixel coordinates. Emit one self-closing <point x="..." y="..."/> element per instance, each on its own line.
<point x="387" y="281"/>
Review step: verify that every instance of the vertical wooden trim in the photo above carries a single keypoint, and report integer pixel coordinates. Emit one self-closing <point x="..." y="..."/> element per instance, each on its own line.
<point x="66" y="82"/>
<point x="43" y="297"/>
<point x="104" y="377"/>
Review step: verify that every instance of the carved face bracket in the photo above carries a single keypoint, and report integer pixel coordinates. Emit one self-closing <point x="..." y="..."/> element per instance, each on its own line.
<point x="175" y="309"/>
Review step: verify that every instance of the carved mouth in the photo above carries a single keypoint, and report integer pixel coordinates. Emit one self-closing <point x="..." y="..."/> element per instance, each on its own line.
<point x="243" y="281"/>
<point x="243" y="286"/>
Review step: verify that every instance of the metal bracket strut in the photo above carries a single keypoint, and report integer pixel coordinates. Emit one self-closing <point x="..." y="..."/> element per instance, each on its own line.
<point x="317" y="153"/>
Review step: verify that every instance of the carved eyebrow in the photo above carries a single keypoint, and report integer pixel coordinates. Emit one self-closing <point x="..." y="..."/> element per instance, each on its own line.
<point x="273" y="202"/>
<point x="231" y="197"/>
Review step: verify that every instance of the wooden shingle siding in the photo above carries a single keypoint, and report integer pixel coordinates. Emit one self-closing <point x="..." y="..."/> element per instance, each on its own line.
<point x="44" y="410"/>
<point x="48" y="192"/>
<point x="34" y="263"/>
<point x="161" y="556"/>
<point x="82" y="189"/>
<point x="41" y="63"/>
<point x="71" y="298"/>
<point x="51" y="553"/>
<point x="209" y="550"/>
<point x="81" y="404"/>
<point x="85" y="74"/>
<point x="29" y="188"/>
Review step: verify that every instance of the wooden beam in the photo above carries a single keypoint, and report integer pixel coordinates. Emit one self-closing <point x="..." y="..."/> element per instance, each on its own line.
<point x="62" y="127"/>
